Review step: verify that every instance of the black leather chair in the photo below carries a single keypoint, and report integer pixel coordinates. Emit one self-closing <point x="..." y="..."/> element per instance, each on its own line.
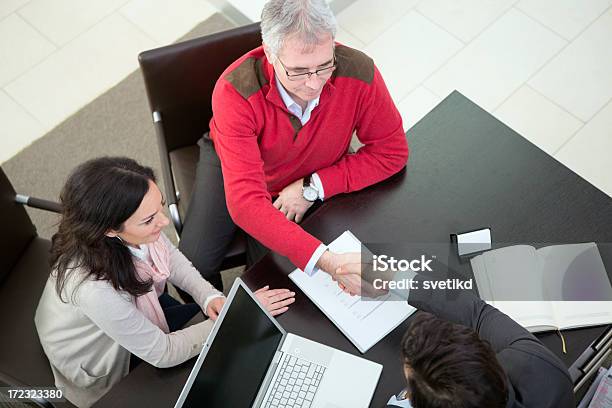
<point x="179" y="80"/>
<point x="24" y="269"/>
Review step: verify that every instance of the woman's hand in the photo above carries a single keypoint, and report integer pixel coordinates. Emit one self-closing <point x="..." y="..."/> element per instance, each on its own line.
<point x="214" y="307"/>
<point x="276" y="301"/>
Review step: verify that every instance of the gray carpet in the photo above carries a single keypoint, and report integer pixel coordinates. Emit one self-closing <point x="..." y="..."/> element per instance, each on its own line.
<point x="116" y="123"/>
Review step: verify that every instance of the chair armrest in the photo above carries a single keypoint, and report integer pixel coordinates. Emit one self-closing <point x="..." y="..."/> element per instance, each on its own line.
<point x="39" y="203"/>
<point x="171" y="198"/>
<point x="591" y="359"/>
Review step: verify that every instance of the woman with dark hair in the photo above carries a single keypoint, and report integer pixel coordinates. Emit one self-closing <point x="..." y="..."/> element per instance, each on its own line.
<point x="104" y="306"/>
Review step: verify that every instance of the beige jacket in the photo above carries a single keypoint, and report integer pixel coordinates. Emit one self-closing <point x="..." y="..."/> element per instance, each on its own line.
<point x="89" y="339"/>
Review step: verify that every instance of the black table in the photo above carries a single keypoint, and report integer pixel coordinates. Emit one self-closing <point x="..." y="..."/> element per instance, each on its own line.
<point x="466" y="170"/>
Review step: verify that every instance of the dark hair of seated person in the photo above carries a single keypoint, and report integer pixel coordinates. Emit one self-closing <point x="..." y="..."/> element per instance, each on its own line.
<point x="448" y="366"/>
<point x="100" y="195"/>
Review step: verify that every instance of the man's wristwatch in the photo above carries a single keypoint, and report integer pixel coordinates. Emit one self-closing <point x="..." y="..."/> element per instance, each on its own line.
<point x="309" y="191"/>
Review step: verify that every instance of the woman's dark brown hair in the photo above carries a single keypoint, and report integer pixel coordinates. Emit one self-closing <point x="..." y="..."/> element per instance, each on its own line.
<point x="100" y="195"/>
<point x="449" y="366"/>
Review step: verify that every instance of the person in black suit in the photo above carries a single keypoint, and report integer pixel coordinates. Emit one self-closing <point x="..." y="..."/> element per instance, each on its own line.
<point x="460" y="352"/>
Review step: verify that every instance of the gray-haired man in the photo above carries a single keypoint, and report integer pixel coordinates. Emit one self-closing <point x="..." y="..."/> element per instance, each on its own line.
<point x="283" y="117"/>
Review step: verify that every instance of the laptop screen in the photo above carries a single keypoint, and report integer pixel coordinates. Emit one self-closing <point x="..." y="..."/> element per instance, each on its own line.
<point x="236" y="364"/>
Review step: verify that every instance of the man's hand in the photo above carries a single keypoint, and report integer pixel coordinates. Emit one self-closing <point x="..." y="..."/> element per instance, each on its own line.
<point x="276" y="301"/>
<point x="331" y="261"/>
<point x="350" y="279"/>
<point x="214" y="307"/>
<point x="346" y="269"/>
<point x="291" y="202"/>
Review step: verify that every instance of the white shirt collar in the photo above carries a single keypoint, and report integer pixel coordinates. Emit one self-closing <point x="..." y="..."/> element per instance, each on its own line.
<point x="294" y="107"/>
<point x="142" y="252"/>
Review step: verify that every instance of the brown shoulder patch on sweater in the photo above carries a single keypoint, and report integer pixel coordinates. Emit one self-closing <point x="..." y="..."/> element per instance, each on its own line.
<point x="248" y="77"/>
<point x="354" y="64"/>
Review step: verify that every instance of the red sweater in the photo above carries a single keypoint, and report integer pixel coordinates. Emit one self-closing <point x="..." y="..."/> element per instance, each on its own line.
<point x="264" y="148"/>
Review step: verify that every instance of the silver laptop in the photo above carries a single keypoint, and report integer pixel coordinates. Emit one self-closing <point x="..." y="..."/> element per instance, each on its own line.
<point x="248" y="360"/>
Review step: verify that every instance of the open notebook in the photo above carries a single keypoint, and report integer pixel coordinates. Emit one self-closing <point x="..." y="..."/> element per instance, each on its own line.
<point x="551" y="288"/>
<point x="364" y="321"/>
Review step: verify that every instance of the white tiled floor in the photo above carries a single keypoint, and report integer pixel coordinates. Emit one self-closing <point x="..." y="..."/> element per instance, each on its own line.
<point x="417" y="104"/>
<point x="157" y="18"/>
<point x="588" y="153"/>
<point x="49" y="17"/>
<point x="412" y="59"/>
<point x="566" y="17"/>
<point x="543" y="67"/>
<point x="580" y="78"/>
<point x="81" y="70"/>
<point x="9" y="6"/>
<point x="32" y="48"/>
<point x="491" y="67"/>
<point x="530" y="113"/>
<point x="58" y="55"/>
<point x="368" y="26"/>
<point x="464" y="18"/>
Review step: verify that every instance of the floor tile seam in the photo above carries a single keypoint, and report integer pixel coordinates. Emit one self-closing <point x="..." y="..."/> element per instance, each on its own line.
<point x="158" y="43"/>
<point x="585" y="125"/>
<point x="441" y="27"/>
<point x="542" y="66"/>
<point x="555" y="104"/>
<point x="542" y="25"/>
<point x="60" y="49"/>
<point x="463" y="48"/>
<point x="59" y="46"/>
<point x="578" y="34"/>
<point x="568" y="43"/>
<point x="46" y="127"/>
<point x="25" y="109"/>
<point x="396" y="21"/>
<point x="495" y="112"/>
<point x="422" y="84"/>
<point x="100" y="92"/>
<point x="33" y="27"/>
<point x="435" y="71"/>
<point x="485" y="28"/>
<point x="139" y="29"/>
<point x="55" y="47"/>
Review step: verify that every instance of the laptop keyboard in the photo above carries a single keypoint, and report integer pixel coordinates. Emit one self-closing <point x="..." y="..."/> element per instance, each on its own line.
<point x="296" y="383"/>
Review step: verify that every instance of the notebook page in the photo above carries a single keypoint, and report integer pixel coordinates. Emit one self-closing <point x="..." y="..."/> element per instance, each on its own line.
<point x="535" y="316"/>
<point x="582" y="313"/>
<point x="363" y="321"/>
<point x="514" y="273"/>
<point x="575" y="272"/>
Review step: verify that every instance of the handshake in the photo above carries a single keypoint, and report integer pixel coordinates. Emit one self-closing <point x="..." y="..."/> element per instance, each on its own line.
<point x="349" y="272"/>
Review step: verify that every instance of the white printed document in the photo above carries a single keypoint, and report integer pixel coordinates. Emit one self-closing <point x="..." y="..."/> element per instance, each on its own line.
<point x="364" y="321"/>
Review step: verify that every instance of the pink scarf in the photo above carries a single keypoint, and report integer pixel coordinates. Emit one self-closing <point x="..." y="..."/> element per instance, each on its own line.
<point x="159" y="272"/>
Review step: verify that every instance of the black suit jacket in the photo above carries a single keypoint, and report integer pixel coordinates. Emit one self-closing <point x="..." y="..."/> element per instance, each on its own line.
<point x="537" y="378"/>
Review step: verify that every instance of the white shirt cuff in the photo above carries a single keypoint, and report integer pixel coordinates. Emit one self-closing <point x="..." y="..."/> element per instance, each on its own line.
<point x="316" y="180"/>
<point x="406" y="276"/>
<point x="208" y="299"/>
<point x="393" y="401"/>
<point x="311" y="268"/>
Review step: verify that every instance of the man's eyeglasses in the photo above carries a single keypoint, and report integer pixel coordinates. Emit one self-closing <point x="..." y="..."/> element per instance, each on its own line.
<point x="321" y="72"/>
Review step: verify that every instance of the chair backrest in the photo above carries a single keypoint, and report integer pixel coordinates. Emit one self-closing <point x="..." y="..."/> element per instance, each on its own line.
<point x="180" y="78"/>
<point x="24" y="263"/>
<point x="19" y="230"/>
